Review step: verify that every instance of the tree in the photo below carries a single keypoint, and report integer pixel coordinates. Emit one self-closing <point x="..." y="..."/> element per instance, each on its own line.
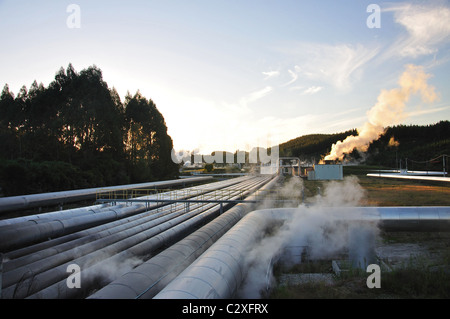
<point x="148" y="144"/>
<point x="8" y="124"/>
<point x="209" y="167"/>
<point x="80" y="122"/>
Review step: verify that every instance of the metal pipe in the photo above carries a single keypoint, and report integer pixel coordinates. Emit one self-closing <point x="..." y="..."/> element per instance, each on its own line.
<point x="43" y="217"/>
<point x="144" y="233"/>
<point x="60" y="290"/>
<point x="54" y="198"/>
<point x="148" y="279"/>
<point x="15" y="235"/>
<point x="140" y="212"/>
<point x="83" y="237"/>
<point x="219" y="271"/>
<point x="57" y="290"/>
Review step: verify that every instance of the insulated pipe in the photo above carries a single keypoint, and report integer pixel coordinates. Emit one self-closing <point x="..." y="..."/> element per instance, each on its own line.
<point x="148" y="279"/>
<point x="60" y="290"/>
<point x="53" y="198"/>
<point x="45" y="278"/>
<point x="140" y="212"/>
<point x="219" y="271"/>
<point x="39" y="218"/>
<point x="14" y="236"/>
<point x="125" y="251"/>
<point x="92" y="234"/>
<point x="80" y="244"/>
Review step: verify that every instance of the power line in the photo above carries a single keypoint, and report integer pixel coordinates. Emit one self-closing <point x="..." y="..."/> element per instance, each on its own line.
<point x="433" y="160"/>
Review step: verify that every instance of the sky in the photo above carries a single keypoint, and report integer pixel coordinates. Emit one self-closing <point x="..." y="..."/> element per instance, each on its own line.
<point x="231" y="75"/>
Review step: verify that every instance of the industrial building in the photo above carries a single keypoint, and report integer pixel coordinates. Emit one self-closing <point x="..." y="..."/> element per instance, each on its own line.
<point x="326" y="172"/>
<point x="290" y="166"/>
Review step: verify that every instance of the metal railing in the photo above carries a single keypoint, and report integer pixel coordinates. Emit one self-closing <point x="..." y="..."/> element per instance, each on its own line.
<point x="164" y="196"/>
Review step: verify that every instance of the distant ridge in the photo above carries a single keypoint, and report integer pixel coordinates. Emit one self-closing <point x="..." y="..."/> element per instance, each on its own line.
<point x="417" y="143"/>
<point x="312" y="146"/>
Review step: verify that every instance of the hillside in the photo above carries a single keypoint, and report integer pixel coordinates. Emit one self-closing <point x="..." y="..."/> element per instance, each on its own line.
<point x="418" y="144"/>
<point x="312" y="146"/>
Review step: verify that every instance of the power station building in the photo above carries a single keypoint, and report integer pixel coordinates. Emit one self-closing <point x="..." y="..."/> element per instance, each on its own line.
<point x="326" y="172"/>
<point x="290" y="166"/>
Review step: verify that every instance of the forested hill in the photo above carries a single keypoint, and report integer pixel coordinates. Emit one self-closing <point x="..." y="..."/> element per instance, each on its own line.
<point x="417" y="143"/>
<point x="77" y="133"/>
<point x="312" y="147"/>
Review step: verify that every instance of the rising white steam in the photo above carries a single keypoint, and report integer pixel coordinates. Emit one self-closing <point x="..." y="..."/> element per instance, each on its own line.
<point x="389" y="110"/>
<point x="318" y="228"/>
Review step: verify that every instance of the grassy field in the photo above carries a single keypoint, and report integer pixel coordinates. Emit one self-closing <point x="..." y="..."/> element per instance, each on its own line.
<point x="389" y="191"/>
<point x="419" y="277"/>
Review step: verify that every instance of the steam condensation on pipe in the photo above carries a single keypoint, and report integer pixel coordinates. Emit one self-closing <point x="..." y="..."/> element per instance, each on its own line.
<point x="221" y="271"/>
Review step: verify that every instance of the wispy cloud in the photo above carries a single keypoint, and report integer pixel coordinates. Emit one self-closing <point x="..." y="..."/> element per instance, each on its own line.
<point x="312" y="90"/>
<point x="427" y="111"/>
<point x="339" y="65"/>
<point x="294" y="77"/>
<point x="427" y="27"/>
<point x="271" y="74"/>
<point x="241" y="106"/>
<point x="307" y="90"/>
<point x="254" y="96"/>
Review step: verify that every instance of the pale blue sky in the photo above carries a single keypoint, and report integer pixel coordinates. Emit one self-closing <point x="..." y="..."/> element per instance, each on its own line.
<point x="228" y="75"/>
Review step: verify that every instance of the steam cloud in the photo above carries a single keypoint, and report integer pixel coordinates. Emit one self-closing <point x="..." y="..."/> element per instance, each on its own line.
<point x="389" y="110"/>
<point x="319" y="229"/>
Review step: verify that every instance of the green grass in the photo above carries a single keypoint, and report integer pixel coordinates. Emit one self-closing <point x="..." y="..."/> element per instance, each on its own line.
<point x="409" y="282"/>
<point x="388" y="191"/>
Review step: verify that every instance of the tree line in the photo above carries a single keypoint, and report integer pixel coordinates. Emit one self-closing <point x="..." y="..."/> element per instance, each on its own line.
<point x="416" y="143"/>
<point x="77" y="133"/>
<point x="312" y="147"/>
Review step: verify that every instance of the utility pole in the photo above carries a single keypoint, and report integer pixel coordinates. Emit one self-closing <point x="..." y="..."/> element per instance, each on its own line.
<point x="443" y="165"/>
<point x="1" y="274"/>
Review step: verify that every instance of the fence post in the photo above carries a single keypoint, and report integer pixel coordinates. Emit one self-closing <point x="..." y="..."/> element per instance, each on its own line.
<point x="1" y="274"/>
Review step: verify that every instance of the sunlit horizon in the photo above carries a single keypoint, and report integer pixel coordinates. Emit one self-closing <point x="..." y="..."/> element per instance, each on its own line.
<point x="231" y="76"/>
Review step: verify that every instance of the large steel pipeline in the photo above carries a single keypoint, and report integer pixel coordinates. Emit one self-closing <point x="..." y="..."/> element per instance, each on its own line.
<point x="131" y="226"/>
<point x="13" y="203"/>
<point x="219" y="272"/>
<point x="167" y="237"/>
<point x="148" y="279"/>
<point x="80" y="239"/>
<point x="14" y="235"/>
<point x="43" y="217"/>
<point x="35" y="252"/>
<point x="120" y="246"/>
<point x="139" y="208"/>
<point x="140" y="233"/>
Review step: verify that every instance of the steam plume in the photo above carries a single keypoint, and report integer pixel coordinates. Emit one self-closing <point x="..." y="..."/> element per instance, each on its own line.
<point x="389" y="110"/>
<point x="316" y="227"/>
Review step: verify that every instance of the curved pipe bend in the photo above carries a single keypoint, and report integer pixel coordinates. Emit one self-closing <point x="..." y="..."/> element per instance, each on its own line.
<point x="218" y="272"/>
